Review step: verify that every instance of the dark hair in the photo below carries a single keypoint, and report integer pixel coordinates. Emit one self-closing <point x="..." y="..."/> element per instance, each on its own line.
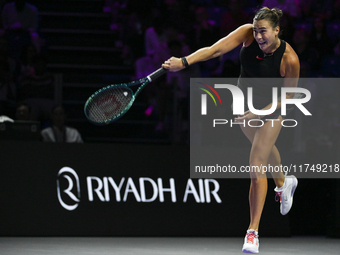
<point x="24" y="104"/>
<point x="272" y="15"/>
<point x="56" y="106"/>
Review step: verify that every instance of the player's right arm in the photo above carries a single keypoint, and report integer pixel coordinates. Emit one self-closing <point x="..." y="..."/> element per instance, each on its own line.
<point x="224" y="45"/>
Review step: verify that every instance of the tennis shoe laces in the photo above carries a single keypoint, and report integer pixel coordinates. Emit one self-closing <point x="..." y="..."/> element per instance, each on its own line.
<point x="251" y="242"/>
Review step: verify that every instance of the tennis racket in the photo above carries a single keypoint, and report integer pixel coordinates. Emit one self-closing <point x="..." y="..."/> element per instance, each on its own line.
<point x="112" y="102"/>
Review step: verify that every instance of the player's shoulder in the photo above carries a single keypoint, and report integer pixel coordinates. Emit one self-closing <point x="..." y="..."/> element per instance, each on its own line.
<point x="246" y="33"/>
<point x="290" y="57"/>
<point x="247" y="28"/>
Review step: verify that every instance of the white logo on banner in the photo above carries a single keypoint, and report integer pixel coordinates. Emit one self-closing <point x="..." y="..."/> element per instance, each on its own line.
<point x="68" y="173"/>
<point x="101" y="189"/>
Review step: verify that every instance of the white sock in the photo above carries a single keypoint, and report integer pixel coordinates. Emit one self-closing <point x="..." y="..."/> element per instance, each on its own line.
<point x="252" y="230"/>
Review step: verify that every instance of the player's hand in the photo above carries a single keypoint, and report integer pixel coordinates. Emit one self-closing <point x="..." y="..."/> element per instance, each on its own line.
<point x="246" y="116"/>
<point x="173" y="64"/>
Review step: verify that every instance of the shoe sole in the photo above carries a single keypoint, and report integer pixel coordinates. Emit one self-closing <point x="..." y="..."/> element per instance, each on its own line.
<point x="293" y="190"/>
<point x="292" y="194"/>
<point x="250" y="252"/>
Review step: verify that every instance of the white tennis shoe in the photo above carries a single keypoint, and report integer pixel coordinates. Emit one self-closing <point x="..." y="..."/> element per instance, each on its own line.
<point x="251" y="242"/>
<point x="285" y="194"/>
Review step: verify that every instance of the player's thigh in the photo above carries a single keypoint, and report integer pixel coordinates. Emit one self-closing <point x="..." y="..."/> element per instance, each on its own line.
<point x="264" y="141"/>
<point x="249" y="132"/>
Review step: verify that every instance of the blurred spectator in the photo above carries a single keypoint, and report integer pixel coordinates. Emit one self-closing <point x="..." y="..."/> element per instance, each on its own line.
<point x="316" y="8"/>
<point x="2" y="3"/>
<point x="336" y="10"/>
<point x="177" y="13"/>
<point x="156" y="52"/>
<point x="28" y="53"/>
<point x="131" y="33"/>
<point x="145" y="66"/>
<point x="7" y="71"/>
<point x="20" y="21"/>
<point x="289" y="7"/>
<point x="58" y="132"/>
<point x="23" y="112"/>
<point x="114" y="7"/>
<point x="337" y="48"/>
<point x="322" y="8"/>
<point x="205" y="31"/>
<point x="206" y="34"/>
<point x="306" y="10"/>
<point x="173" y="34"/>
<point x="305" y="70"/>
<point x="230" y="69"/>
<point x="156" y="42"/>
<point x="287" y="28"/>
<point x="37" y="89"/>
<point x="157" y="49"/>
<point x="233" y="18"/>
<point x="319" y="39"/>
<point x="179" y="82"/>
<point x="303" y="50"/>
<point x="127" y="56"/>
<point x="142" y="9"/>
<point x="229" y="60"/>
<point x="202" y="2"/>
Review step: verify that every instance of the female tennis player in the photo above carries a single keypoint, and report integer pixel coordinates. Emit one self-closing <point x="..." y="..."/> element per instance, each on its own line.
<point x="263" y="54"/>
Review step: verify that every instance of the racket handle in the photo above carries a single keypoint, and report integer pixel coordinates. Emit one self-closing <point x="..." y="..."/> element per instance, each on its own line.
<point x="156" y="74"/>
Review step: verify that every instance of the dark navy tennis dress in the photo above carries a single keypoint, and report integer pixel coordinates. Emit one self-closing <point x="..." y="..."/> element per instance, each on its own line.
<point x="262" y="73"/>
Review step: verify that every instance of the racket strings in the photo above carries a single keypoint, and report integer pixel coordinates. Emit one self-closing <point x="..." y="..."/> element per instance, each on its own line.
<point x="109" y="104"/>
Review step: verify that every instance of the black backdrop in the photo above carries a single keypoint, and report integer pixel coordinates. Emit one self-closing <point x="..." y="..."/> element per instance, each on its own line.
<point x="30" y="205"/>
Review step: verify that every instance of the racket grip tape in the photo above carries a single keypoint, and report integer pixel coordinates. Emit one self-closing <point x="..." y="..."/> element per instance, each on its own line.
<point x="156" y="74"/>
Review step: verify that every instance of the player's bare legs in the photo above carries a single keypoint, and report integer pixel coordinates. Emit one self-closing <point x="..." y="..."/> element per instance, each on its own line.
<point x="262" y="152"/>
<point x="275" y="161"/>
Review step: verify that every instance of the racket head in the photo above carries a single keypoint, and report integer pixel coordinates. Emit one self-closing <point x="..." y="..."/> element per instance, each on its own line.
<point x="109" y="104"/>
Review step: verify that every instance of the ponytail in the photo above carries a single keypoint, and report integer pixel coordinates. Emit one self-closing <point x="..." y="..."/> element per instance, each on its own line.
<point x="272" y="15"/>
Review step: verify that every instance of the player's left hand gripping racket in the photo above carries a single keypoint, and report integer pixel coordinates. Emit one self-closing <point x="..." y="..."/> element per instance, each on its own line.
<point x="112" y="102"/>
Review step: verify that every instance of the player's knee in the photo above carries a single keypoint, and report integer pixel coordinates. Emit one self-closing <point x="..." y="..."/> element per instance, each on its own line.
<point x="257" y="176"/>
<point x="258" y="161"/>
<point x="258" y="168"/>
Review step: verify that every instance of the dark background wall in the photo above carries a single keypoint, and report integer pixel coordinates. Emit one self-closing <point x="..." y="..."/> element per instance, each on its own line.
<point x="30" y="205"/>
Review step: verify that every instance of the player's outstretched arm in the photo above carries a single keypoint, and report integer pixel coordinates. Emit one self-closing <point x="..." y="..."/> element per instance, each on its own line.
<point x="224" y="45"/>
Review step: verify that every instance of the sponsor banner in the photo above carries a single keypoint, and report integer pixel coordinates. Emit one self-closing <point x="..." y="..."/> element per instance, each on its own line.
<point x="51" y="189"/>
<point x="225" y="113"/>
<point x="101" y="189"/>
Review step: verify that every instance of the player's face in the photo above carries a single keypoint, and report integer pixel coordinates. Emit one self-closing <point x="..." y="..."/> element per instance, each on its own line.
<point x="265" y="35"/>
